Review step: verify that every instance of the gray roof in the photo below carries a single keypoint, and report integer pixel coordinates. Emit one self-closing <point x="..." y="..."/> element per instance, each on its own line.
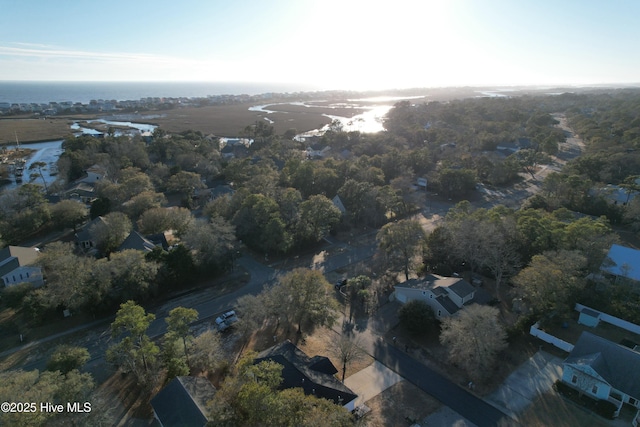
<point x="447" y="303"/>
<point x="590" y="312"/>
<point x="84" y="235"/>
<point x="460" y="287"/>
<point x="337" y="202"/>
<point x="310" y="374"/>
<point x="136" y="241"/>
<point x="13" y="257"/>
<point x="183" y="402"/>
<point x="432" y="282"/>
<point x="617" y="364"/>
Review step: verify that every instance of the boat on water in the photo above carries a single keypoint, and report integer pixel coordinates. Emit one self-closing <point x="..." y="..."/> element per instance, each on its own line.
<point x="18" y="170"/>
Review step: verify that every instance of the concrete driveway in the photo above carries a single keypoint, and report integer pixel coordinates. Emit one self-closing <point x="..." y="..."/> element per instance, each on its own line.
<point x="371" y="381"/>
<point x="533" y="378"/>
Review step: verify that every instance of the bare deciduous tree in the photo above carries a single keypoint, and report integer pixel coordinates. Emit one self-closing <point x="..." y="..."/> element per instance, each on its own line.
<point x="400" y="242"/>
<point x="348" y="350"/>
<point x="205" y="351"/>
<point x="474" y="339"/>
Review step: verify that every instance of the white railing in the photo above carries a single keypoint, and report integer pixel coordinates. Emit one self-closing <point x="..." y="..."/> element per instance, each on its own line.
<point x="557" y="342"/>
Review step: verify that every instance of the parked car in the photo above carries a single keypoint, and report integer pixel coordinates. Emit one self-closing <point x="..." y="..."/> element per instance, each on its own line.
<point x="340" y="283"/>
<point x="225" y="320"/>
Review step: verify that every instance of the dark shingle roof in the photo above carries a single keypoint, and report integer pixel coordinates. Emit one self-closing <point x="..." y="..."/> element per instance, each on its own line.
<point x="447" y="303"/>
<point x="309" y="374"/>
<point x="462" y="288"/>
<point x="136" y="241"/>
<point x="84" y="235"/>
<point x="13" y="257"/>
<point x="618" y="365"/>
<point x="158" y="239"/>
<point x="8" y="266"/>
<point x="183" y="402"/>
<point x="322" y="364"/>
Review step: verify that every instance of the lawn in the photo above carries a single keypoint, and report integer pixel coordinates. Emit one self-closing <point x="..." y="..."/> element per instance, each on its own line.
<point x="551" y="409"/>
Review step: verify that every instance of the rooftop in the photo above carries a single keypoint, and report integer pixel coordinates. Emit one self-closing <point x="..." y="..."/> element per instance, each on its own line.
<point x="432" y="282"/>
<point x="314" y="375"/>
<point x="622" y="261"/>
<point x="183" y="402"/>
<point x="617" y="364"/>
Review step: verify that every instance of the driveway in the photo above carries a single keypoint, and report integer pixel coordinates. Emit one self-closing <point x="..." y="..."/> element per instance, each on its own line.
<point x="371" y="381"/>
<point x="532" y="379"/>
<point x="469" y="406"/>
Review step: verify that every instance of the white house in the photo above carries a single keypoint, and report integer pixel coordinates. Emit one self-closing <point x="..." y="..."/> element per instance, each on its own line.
<point x="16" y="266"/>
<point x="604" y="370"/>
<point x="445" y="295"/>
<point x="622" y="262"/>
<point x="82" y="192"/>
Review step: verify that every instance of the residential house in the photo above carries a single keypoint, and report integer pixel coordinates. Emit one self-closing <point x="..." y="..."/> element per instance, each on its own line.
<point x="84" y="237"/>
<point x="623" y="263"/>
<point x="82" y="192"/>
<point x="604" y="370"/>
<point x="315" y="375"/>
<point x="138" y="242"/>
<point x="183" y="402"/>
<point x="337" y="202"/>
<point x="445" y="295"/>
<point x="163" y="240"/>
<point x="95" y="174"/>
<point x="614" y="194"/>
<point x="16" y="266"/>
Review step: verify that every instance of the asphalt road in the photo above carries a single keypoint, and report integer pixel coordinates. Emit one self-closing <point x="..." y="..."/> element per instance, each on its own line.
<point x="97" y="338"/>
<point x="450" y="394"/>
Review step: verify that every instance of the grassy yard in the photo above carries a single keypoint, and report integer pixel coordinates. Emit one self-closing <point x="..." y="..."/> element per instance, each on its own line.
<point x="551" y="409"/>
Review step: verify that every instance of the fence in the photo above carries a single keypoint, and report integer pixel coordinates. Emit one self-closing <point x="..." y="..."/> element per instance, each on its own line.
<point x="631" y="327"/>
<point x="557" y="342"/>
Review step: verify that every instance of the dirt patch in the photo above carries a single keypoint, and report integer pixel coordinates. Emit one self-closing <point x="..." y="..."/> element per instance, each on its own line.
<point x="402" y="404"/>
<point x="320" y="343"/>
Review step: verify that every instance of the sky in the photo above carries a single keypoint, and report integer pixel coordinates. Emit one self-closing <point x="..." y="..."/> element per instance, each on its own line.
<point x="345" y="44"/>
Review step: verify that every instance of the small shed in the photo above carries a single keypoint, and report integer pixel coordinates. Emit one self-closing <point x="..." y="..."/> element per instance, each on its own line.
<point x="589" y="317"/>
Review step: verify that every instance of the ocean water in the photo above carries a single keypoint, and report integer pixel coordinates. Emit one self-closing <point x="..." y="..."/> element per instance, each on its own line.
<point x="44" y="92"/>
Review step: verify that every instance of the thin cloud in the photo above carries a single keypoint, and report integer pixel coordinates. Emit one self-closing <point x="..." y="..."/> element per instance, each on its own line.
<point x="41" y="52"/>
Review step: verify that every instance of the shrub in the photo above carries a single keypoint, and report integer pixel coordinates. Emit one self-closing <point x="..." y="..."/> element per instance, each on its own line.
<point x="601" y="407"/>
<point x="416" y="316"/>
<point x="13" y="295"/>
